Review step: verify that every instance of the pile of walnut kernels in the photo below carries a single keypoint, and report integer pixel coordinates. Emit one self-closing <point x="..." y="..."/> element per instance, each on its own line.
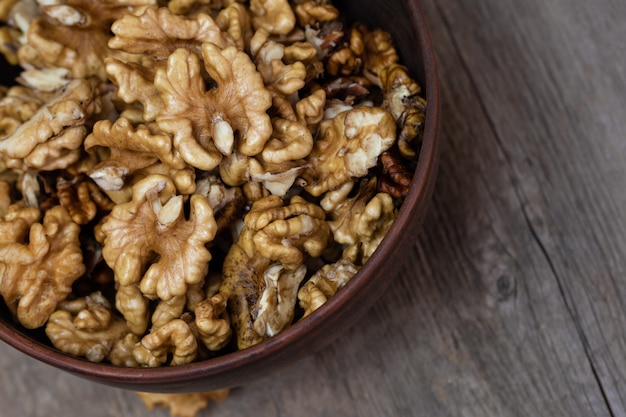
<point x="182" y="179"/>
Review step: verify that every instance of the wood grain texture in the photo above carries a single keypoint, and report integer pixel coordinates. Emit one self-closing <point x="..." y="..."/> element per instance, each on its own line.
<point x="512" y="303"/>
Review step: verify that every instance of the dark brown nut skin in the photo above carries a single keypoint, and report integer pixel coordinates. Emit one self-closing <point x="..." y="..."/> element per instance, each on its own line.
<point x="396" y="178"/>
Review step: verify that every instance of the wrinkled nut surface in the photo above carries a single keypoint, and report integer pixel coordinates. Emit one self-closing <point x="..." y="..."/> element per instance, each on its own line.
<point x="324" y="284"/>
<point x="182" y="405"/>
<point x="184" y="179"/>
<point x="153" y="225"/>
<point x="89" y="331"/>
<point x="38" y="264"/>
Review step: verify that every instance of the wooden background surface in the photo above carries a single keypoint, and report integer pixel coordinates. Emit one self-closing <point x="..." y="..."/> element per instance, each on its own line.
<point x="512" y="303"/>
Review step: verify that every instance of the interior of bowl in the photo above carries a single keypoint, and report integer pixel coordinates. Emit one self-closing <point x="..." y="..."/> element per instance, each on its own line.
<point x="404" y="20"/>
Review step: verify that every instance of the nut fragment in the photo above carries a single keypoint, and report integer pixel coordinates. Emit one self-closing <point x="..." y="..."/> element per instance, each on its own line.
<point x="204" y="123"/>
<point x="348" y="146"/>
<point x="157" y="33"/>
<point x="378" y="51"/>
<point x="73" y="36"/>
<point x="182" y="405"/>
<point x="324" y="284"/>
<point x="236" y="21"/>
<point x="174" y="339"/>
<point x="82" y="198"/>
<point x="277" y="301"/>
<point x="361" y="222"/>
<point x="312" y="12"/>
<point x="52" y="137"/>
<point x="278" y="235"/>
<point x="133" y="147"/>
<point x="18" y="105"/>
<point x="38" y="263"/>
<point x="121" y="353"/>
<point x="90" y="332"/>
<point x="396" y="178"/>
<point x="134" y="306"/>
<point x="403" y="101"/>
<point x="275" y="16"/>
<point x="286" y="233"/>
<point x="213" y="323"/>
<point x="153" y="223"/>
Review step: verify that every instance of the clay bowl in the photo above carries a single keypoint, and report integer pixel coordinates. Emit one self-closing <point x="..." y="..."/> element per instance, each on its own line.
<point x="405" y="21"/>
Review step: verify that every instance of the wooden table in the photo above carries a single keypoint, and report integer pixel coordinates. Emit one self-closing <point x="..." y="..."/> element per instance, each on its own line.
<point x="513" y="301"/>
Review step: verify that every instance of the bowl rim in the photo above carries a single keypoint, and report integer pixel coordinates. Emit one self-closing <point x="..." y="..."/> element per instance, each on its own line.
<point x="211" y="373"/>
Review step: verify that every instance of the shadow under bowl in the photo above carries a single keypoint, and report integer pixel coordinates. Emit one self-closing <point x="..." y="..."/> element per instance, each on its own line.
<point x="405" y="21"/>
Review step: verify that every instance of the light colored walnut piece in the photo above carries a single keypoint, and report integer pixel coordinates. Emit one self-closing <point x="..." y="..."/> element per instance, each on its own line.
<point x="204" y="124"/>
<point x="313" y="12"/>
<point x="348" y="146"/>
<point x="5" y="198"/>
<point x="17" y="16"/>
<point x="47" y="79"/>
<point x="52" y="137"/>
<point x="279" y="78"/>
<point x="274" y="233"/>
<point x="134" y="306"/>
<point x="324" y="284"/>
<point x="402" y="99"/>
<point x="378" y="51"/>
<point x="226" y="202"/>
<point x="155" y="34"/>
<point x="121" y="354"/>
<point x="184" y="179"/>
<point x="153" y="224"/>
<point x="361" y="222"/>
<point x="182" y="405"/>
<point x="92" y="312"/>
<point x="158" y="32"/>
<point x="168" y="310"/>
<point x="274" y="16"/>
<point x="235" y="20"/>
<point x="89" y="332"/>
<point x="281" y="161"/>
<point x="74" y="35"/>
<point x="285" y="233"/>
<point x="305" y="52"/>
<point x="131" y="149"/>
<point x="28" y="185"/>
<point x="17" y="220"/>
<point x="135" y="147"/>
<point x="275" y="308"/>
<point x="310" y="110"/>
<point x="276" y="179"/>
<point x="18" y="105"/>
<point x="135" y="84"/>
<point x="213" y="323"/>
<point x="40" y="263"/>
<point x="174" y="339"/>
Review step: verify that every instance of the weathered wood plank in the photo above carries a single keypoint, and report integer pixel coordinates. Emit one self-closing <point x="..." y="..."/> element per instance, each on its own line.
<point x="551" y="98"/>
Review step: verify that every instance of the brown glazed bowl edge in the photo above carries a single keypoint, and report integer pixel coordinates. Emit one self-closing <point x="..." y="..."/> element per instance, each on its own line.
<point x="308" y="335"/>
